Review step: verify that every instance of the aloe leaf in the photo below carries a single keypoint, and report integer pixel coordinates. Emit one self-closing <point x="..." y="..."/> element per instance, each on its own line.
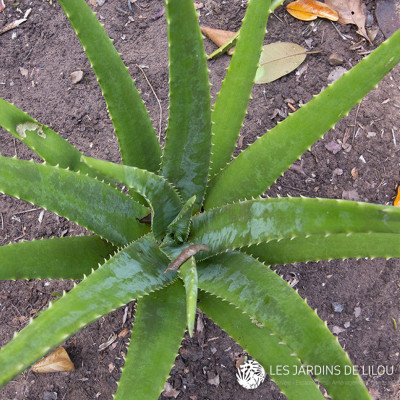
<point x="250" y="222"/>
<point x="133" y="272"/>
<point x="57" y="258"/>
<point x="231" y="104"/>
<point x="257" y="340"/>
<point x="270" y="300"/>
<point x="180" y="226"/>
<point x="320" y="247"/>
<point x="156" y="337"/>
<point x="160" y="194"/>
<point x="188" y="273"/>
<point x="87" y="201"/>
<point x="257" y="167"/>
<point x="188" y="142"/>
<point x="136" y="136"/>
<point x="46" y="143"/>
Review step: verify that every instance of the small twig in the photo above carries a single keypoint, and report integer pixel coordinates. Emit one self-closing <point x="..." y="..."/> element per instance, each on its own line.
<point x="158" y="100"/>
<point x="130" y="7"/>
<point x="355" y="121"/>
<point x="26" y="211"/>
<point x="394" y="138"/>
<point x="2" y="221"/>
<point x="15" y="148"/>
<point x="279" y="19"/>
<point x="340" y="33"/>
<point x="158" y="15"/>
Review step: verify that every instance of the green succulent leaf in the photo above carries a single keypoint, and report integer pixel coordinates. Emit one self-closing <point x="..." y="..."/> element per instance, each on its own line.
<point x="46" y="143"/>
<point x="231" y="104"/>
<point x="255" y="221"/>
<point x="87" y="201"/>
<point x="160" y="194"/>
<point x="258" y="167"/>
<point x="188" y="141"/>
<point x="136" y="136"/>
<point x="188" y="273"/>
<point x="264" y="347"/>
<point x="156" y="336"/>
<point x="57" y="258"/>
<point x="321" y="247"/>
<point x="270" y="300"/>
<point x="135" y="271"/>
<point x="180" y="226"/>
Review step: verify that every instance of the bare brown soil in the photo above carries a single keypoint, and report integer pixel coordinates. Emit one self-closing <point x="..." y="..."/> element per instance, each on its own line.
<point x="357" y="160"/>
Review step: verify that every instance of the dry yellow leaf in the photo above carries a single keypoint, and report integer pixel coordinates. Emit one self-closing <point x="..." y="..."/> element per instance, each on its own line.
<point x="57" y="361"/>
<point x="308" y="10"/>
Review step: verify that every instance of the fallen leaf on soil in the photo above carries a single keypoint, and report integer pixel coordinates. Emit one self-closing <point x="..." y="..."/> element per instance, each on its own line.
<point x="350" y="195"/>
<point x="12" y="25"/>
<point x="388" y="16"/>
<point x="213" y="380"/>
<point x="218" y="36"/>
<point x="308" y="10"/>
<point x="397" y="199"/>
<point x="110" y="341"/>
<point x="337" y="329"/>
<point x="76" y="76"/>
<point x="55" y="362"/>
<point x="333" y="147"/>
<point x="169" y="391"/>
<point x="351" y="12"/>
<point x="278" y="59"/>
<point x="123" y="333"/>
<point x="354" y="173"/>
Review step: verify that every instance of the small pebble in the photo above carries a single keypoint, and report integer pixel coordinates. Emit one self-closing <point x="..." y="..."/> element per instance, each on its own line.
<point x="347" y="324"/>
<point x="50" y="396"/>
<point x="335" y="59"/>
<point x="337" y="307"/>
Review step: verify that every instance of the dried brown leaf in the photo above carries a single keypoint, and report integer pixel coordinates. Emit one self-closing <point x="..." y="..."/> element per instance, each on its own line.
<point x="218" y="36"/>
<point x="351" y="12"/>
<point x="57" y="361"/>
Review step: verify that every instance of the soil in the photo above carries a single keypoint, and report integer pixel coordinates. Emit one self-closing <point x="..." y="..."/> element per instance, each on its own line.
<point x="357" y="160"/>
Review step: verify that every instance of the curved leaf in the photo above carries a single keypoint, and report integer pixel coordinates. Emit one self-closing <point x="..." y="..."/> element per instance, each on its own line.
<point x="272" y="354"/>
<point x="156" y="337"/>
<point x="231" y="104"/>
<point x="180" y="226"/>
<point x="188" y="142"/>
<point x="188" y="273"/>
<point x="87" y="201"/>
<point x="320" y="247"/>
<point x="57" y="258"/>
<point x="136" y="136"/>
<point x="160" y="194"/>
<point x="49" y="145"/>
<point x="257" y="167"/>
<point x="133" y="272"/>
<point x="250" y="222"/>
<point x="266" y="297"/>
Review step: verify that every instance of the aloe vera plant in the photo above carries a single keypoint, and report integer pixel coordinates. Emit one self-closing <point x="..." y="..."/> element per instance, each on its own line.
<point x="206" y="242"/>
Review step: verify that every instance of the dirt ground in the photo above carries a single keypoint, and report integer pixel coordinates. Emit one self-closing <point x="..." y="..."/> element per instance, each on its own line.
<point x="357" y="160"/>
